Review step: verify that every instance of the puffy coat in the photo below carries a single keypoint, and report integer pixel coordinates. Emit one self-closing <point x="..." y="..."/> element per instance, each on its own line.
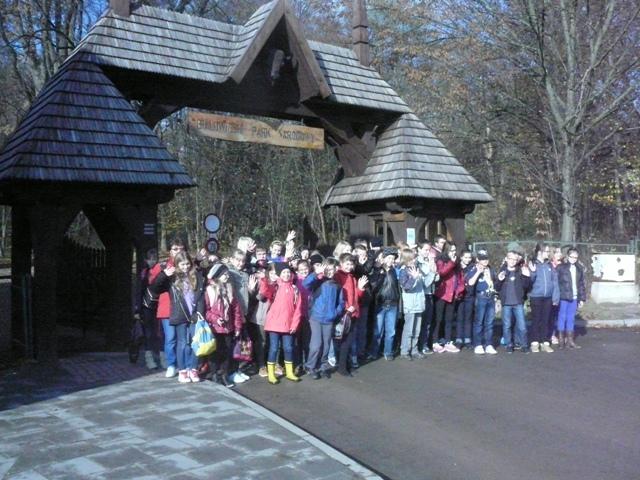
<point x="350" y="291"/>
<point x="178" y="308"/>
<point x="327" y="298"/>
<point x="285" y="312"/>
<point x="564" y="282"/>
<point x="164" y="304"/>
<point x="544" y="282"/>
<point x="413" y="292"/>
<point x="451" y="286"/>
<point x="230" y="315"/>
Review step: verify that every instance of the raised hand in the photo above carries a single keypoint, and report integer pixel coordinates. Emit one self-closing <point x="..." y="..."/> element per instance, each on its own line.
<point x="502" y="275"/>
<point x="291" y="236"/>
<point x="169" y="271"/>
<point x="362" y="282"/>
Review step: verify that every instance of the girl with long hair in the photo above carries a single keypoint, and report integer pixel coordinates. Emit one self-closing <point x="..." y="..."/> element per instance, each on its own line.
<point x="225" y="317"/>
<point x="185" y="287"/>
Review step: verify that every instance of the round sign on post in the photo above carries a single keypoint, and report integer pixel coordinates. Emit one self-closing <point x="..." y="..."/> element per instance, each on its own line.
<point x="211" y="223"/>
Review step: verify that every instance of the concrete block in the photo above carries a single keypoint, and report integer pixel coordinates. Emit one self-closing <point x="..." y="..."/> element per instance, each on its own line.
<point x="615" y="292"/>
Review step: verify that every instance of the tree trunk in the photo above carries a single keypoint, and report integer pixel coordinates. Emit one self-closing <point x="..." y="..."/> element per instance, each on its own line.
<point x="568" y="228"/>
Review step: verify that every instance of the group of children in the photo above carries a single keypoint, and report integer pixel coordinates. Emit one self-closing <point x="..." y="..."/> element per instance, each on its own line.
<point x="318" y="315"/>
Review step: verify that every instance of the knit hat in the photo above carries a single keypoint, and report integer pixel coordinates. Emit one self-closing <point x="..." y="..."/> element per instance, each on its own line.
<point x="316" y="258"/>
<point x="389" y="251"/>
<point x="280" y="266"/>
<point x="217" y="270"/>
<point x="482" y="255"/>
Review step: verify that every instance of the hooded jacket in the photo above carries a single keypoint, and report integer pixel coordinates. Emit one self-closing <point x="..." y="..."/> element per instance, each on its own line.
<point x="327" y="298"/>
<point x="544" y="282"/>
<point x="451" y="286"/>
<point x="285" y="311"/>
<point x="223" y="318"/>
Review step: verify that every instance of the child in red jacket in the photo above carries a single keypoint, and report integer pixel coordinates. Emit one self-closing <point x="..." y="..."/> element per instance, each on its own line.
<point x="352" y="291"/>
<point x="448" y="292"/>
<point x="283" y="319"/>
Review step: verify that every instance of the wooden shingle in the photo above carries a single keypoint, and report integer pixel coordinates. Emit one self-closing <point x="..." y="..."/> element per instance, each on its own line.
<point x="408" y="162"/>
<point x="81" y="129"/>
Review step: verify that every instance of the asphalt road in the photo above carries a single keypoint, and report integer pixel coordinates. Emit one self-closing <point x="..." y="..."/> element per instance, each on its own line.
<point x="566" y="415"/>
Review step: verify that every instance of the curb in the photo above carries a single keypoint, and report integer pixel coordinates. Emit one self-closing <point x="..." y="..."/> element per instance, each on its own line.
<point x="357" y="468"/>
<point x="624" y="323"/>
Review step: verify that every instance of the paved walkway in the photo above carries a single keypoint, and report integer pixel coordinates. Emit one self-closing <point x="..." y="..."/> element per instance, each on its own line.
<point x="99" y="417"/>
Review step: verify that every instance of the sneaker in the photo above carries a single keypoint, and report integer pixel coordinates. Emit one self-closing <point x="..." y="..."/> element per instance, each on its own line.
<point x="406" y="357"/>
<point x="509" y="349"/>
<point x="554" y="340"/>
<point x="478" y="350"/>
<point x="418" y="355"/>
<point x="437" y="348"/>
<point x="243" y="375"/>
<point x="263" y="372"/>
<point x="171" y="372"/>
<point x="183" y="376"/>
<point x="535" y="347"/>
<point x="314" y="374"/>
<point x="332" y="361"/>
<point x="326" y="374"/>
<point x="388" y="358"/>
<point x="451" y="348"/>
<point x="193" y="375"/>
<point x="354" y="362"/>
<point x="458" y="343"/>
<point x="279" y="371"/>
<point x="427" y="351"/>
<point x="490" y="350"/>
<point x="371" y="358"/>
<point x="545" y="347"/>
<point x="237" y="378"/>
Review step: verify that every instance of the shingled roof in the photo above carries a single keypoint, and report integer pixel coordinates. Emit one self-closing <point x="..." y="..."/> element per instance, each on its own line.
<point x="409" y="162"/>
<point x="81" y="129"/>
<point x="184" y="46"/>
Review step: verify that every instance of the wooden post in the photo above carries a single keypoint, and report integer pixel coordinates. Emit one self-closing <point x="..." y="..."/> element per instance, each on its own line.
<point x="455" y="231"/>
<point x="48" y="226"/>
<point x="20" y="268"/>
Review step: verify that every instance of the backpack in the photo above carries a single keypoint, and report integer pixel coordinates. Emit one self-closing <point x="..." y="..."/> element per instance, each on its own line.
<point x="203" y="343"/>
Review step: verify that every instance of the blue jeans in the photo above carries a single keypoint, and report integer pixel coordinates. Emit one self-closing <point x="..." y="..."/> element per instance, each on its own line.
<point x="184" y="355"/>
<point x="483" y="325"/>
<point x="520" y="327"/>
<point x="386" y="317"/>
<point x="567" y="315"/>
<point x="274" y="345"/>
<point x="170" y="341"/>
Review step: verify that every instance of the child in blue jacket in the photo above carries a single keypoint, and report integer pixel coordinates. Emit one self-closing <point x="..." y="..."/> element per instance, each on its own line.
<point x="326" y="306"/>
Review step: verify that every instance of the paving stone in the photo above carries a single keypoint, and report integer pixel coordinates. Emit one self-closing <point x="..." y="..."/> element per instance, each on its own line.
<point x="80" y="467"/>
<point x="111" y="420"/>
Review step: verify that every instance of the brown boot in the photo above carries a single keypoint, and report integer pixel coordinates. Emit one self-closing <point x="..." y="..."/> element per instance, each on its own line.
<point x="570" y="341"/>
<point x="561" y="338"/>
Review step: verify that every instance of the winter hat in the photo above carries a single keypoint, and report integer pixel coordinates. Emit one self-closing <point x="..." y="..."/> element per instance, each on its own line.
<point x="217" y="270"/>
<point x="280" y="266"/>
<point x="482" y="255"/>
<point x="389" y="251"/>
<point x="316" y="258"/>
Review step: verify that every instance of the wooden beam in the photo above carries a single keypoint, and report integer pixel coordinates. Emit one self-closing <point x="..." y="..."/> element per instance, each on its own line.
<point x="20" y="334"/>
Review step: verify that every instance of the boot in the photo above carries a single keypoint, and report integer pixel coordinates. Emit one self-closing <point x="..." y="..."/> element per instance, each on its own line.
<point x="149" y="360"/>
<point x="535" y="347"/>
<point x="570" y="341"/>
<point x="271" y="373"/>
<point x="288" y="368"/>
<point x="561" y="340"/>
